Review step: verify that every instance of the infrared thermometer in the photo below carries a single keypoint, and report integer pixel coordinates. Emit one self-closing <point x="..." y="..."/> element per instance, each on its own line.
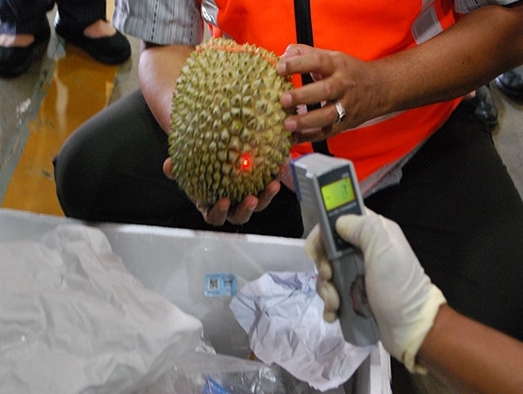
<point x="330" y="185"/>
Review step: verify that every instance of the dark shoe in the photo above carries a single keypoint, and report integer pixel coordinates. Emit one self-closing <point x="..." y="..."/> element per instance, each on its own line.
<point x="511" y="83"/>
<point x="486" y="107"/>
<point x="15" y="61"/>
<point x="109" y="50"/>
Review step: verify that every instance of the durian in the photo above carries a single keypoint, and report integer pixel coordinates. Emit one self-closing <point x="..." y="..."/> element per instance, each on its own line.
<point x="227" y="137"/>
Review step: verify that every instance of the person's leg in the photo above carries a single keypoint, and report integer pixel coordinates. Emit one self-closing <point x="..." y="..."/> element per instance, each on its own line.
<point x="78" y="14"/>
<point x="463" y="217"/>
<point x="486" y="108"/>
<point x="110" y="169"/>
<point x="511" y="83"/>
<point x="83" y="23"/>
<point x="23" y="16"/>
<point x="23" y="25"/>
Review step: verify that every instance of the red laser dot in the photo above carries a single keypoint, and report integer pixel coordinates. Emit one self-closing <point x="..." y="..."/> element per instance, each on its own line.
<point x="246" y="162"/>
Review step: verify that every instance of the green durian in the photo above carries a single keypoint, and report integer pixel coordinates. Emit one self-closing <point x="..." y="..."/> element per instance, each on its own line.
<point x="227" y="137"/>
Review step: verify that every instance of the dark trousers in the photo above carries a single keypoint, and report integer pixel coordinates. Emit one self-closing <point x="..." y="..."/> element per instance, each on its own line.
<point x="463" y="217"/>
<point x="26" y="16"/>
<point x="110" y="169"/>
<point x="456" y="202"/>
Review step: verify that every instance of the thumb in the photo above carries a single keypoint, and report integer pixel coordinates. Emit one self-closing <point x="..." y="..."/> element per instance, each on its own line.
<point x="359" y="230"/>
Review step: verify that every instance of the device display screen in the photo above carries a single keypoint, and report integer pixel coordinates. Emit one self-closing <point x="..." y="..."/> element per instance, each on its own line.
<point x="337" y="193"/>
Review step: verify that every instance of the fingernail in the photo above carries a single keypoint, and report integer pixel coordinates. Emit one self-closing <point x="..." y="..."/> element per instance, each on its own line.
<point x="286" y="99"/>
<point x="290" y="124"/>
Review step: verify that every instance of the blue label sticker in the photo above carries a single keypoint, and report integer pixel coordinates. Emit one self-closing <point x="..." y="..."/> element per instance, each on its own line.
<point x="220" y="285"/>
<point x="213" y="387"/>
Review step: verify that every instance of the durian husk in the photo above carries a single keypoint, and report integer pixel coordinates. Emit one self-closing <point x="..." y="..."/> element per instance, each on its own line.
<point x="227" y="138"/>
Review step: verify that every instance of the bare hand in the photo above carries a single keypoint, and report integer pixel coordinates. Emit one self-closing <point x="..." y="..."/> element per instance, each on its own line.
<point x="221" y="211"/>
<point x="338" y="78"/>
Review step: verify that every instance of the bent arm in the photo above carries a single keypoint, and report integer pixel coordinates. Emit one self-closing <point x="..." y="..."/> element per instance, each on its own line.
<point x="158" y="70"/>
<point x="470" y="356"/>
<point x="480" y="46"/>
<point x="484" y="44"/>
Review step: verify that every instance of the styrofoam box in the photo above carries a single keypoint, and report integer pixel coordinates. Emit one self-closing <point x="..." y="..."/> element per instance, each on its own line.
<point x="174" y="262"/>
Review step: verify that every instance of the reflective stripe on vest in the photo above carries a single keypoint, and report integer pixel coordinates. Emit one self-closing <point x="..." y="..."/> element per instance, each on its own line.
<point x="367" y="30"/>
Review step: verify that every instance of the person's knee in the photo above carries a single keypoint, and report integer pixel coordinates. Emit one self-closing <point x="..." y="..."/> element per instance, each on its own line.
<point x="73" y="176"/>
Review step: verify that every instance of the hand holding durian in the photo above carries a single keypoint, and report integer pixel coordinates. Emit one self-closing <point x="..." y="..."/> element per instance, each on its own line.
<point x="223" y="209"/>
<point x="227" y="139"/>
<point x="231" y="122"/>
<point x="339" y="78"/>
<point x="232" y="119"/>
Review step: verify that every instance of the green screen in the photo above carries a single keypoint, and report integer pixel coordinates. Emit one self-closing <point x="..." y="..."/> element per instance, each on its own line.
<point x="337" y="193"/>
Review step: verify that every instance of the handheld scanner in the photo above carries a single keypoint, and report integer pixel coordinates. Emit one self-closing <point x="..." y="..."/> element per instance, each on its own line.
<point x="330" y="186"/>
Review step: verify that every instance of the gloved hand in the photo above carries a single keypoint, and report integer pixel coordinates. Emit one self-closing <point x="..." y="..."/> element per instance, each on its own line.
<point x="401" y="295"/>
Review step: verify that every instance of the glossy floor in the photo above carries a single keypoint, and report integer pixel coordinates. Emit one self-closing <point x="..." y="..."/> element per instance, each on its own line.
<point x="38" y="111"/>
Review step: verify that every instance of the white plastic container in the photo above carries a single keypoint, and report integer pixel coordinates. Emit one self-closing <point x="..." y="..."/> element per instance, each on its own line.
<point x="178" y="263"/>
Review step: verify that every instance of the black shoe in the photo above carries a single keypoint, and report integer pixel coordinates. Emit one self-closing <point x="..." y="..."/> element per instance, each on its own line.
<point x="486" y="107"/>
<point x="15" y="61"/>
<point x="109" y="50"/>
<point x="511" y="83"/>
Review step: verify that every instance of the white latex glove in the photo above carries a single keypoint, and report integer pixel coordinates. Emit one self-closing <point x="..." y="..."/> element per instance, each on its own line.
<point x="401" y="295"/>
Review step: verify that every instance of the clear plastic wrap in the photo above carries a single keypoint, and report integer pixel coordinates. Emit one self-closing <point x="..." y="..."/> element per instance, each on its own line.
<point x="219" y="374"/>
<point x="73" y="320"/>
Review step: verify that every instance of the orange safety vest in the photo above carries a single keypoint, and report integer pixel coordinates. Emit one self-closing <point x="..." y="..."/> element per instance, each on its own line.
<point x="367" y="30"/>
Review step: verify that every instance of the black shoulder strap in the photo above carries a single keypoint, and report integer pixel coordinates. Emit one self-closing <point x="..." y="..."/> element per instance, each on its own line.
<point x="302" y="16"/>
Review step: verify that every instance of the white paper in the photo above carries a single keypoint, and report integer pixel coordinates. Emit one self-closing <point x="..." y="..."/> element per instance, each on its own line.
<point x="73" y="320"/>
<point x="282" y="314"/>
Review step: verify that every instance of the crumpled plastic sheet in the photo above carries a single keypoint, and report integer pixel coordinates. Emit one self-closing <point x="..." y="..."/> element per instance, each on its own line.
<point x="73" y="320"/>
<point x="201" y="373"/>
<point x="282" y="313"/>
